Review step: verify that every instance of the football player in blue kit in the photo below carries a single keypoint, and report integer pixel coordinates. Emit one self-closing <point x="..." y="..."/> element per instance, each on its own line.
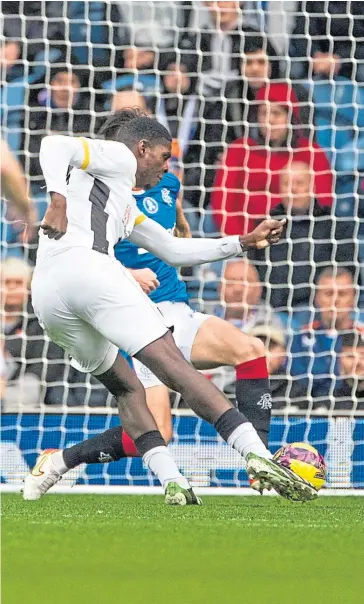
<point x="205" y="341"/>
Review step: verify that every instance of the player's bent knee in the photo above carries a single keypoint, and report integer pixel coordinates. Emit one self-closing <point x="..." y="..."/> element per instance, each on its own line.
<point x="247" y="348"/>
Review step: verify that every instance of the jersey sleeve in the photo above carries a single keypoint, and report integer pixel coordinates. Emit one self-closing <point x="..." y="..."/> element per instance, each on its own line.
<point x="172" y="183"/>
<point x="140" y="217"/>
<point x="151" y="236"/>
<point x="97" y="157"/>
<point x="106" y="158"/>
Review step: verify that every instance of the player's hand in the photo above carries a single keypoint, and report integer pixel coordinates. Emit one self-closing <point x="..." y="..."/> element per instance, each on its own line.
<point x="146" y="278"/>
<point x="55" y="222"/>
<point x="266" y="233"/>
<point x="183" y="229"/>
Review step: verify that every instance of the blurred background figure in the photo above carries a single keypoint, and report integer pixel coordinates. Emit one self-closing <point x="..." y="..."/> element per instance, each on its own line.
<point x="349" y="390"/>
<point x="23" y="358"/>
<point x="128" y="98"/>
<point x="247" y="184"/>
<point x="316" y="346"/>
<point x="327" y="40"/>
<point x="311" y="241"/>
<point x="63" y="107"/>
<point x="241" y="294"/>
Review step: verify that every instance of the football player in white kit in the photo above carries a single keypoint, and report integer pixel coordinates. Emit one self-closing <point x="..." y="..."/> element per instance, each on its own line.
<point x="91" y="306"/>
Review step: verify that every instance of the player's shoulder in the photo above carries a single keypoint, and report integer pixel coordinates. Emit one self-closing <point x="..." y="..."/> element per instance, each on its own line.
<point x="106" y="145"/>
<point x="114" y="150"/>
<point x="170" y="181"/>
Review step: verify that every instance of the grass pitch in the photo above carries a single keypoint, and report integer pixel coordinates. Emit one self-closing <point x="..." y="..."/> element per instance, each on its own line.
<point x="133" y="550"/>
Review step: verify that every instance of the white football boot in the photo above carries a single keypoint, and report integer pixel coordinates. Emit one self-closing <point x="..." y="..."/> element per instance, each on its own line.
<point x="43" y="476"/>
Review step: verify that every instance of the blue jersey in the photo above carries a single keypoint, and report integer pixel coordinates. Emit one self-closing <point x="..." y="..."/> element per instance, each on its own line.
<point x="158" y="203"/>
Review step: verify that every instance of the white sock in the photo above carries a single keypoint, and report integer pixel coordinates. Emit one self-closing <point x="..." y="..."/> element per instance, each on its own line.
<point x="58" y="462"/>
<point x="161" y="463"/>
<point x="245" y="440"/>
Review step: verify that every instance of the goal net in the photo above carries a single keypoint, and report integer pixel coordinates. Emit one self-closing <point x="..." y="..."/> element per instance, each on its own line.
<point x="265" y="105"/>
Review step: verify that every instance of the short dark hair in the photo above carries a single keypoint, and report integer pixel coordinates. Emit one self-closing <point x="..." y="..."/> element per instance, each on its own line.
<point x="129" y="126"/>
<point x="334" y="272"/>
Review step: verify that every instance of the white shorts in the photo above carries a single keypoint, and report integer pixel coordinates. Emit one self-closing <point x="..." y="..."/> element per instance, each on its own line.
<point x="91" y="306"/>
<point x="185" y="323"/>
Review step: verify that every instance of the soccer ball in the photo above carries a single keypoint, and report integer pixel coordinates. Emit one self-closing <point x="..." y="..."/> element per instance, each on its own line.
<point x="305" y="461"/>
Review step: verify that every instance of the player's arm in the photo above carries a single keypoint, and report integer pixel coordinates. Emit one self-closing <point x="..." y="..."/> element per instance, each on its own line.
<point x="57" y="153"/>
<point x="14" y="186"/>
<point x="182" y="226"/>
<point x="188" y="252"/>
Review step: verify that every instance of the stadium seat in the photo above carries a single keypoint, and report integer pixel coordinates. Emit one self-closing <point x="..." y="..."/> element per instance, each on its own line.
<point x="339" y="121"/>
<point x="88" y="31"/>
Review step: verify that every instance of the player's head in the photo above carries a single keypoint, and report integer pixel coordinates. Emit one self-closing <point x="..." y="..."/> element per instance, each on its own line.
<point x="146" y="138"/>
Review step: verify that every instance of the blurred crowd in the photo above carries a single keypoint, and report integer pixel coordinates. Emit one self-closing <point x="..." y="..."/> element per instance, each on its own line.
<point x="265" y="105"/>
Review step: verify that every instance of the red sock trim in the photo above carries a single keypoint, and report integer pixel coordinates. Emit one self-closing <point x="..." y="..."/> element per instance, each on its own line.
<point x="252" y="370"/>
<point x="129" y="447"/>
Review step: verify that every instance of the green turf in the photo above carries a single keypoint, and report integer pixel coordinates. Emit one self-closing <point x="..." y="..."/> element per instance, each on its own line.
<point x="131" y="550"/>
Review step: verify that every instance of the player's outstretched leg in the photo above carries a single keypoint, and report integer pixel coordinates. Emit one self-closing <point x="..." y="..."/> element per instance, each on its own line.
<point x="112" y="445"/>
<point x="167" y="363"/>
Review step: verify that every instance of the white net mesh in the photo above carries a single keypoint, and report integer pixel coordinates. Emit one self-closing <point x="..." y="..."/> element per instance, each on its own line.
<point x="265" y="104"/>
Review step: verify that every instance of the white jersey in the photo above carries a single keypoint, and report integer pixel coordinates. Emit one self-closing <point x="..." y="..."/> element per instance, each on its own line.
<point x="96" y="177"/>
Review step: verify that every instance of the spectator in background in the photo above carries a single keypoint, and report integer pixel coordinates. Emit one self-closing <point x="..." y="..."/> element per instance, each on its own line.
<point x="128" y="98"/>
<point x="62" y="108"/>
<point x="139" y="72"/>
<point x="315" y="348"/>
<point x="246" y="187"/>
<point x="39" y="24"/>
<point x="311" y="241"/>
<point x="138" y="58"/>
<point x="22" y="353"/>
<point x="152" y="23"/>
<point x="259" y="66"/>
<point x="178" y="109"/>
<point x="241" y="296"/>
<point x="330" y="36"/>
<point x="221" y="45"/>
<point x="11" y="67"/>
<point x="349" y="391"/>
